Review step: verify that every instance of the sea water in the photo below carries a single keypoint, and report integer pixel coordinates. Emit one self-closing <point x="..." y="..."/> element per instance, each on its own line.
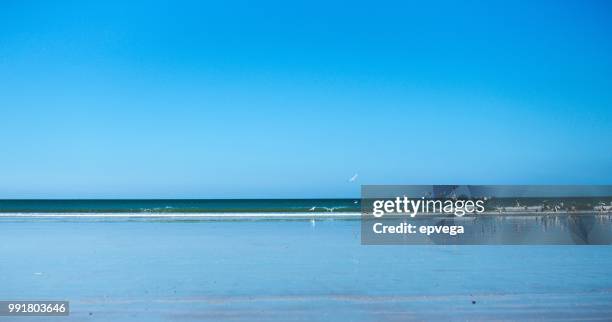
<point x="177" y="205"/>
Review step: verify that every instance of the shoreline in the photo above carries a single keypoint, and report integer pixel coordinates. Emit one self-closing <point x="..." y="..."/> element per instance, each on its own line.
<point x="277" y="216"/>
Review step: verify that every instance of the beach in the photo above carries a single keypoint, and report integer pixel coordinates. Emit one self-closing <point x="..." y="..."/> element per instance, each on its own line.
<point x="289" y="270"/>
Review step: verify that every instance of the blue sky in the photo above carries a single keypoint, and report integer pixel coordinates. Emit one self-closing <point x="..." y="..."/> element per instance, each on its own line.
<point x="274" y="99"/>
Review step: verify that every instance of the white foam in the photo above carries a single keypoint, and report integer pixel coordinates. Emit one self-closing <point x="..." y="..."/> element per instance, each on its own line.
<point x="236" y="215"/>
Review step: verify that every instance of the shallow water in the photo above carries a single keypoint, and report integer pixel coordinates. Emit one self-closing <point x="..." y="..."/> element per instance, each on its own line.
<point x="290" y="270"/>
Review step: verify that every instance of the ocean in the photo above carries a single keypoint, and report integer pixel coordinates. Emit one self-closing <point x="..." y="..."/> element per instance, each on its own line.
<point x="178" y="205"/>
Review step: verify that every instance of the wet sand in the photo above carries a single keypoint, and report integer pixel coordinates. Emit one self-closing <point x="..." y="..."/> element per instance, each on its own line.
<point x="290" y="271"/>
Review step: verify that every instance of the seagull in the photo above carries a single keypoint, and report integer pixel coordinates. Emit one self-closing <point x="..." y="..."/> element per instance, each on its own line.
<point x="353" y="178"/>
<point x="329" y="209"/>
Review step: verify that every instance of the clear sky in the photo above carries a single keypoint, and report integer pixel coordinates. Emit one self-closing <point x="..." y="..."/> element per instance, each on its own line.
<point x="291" y="99"/>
